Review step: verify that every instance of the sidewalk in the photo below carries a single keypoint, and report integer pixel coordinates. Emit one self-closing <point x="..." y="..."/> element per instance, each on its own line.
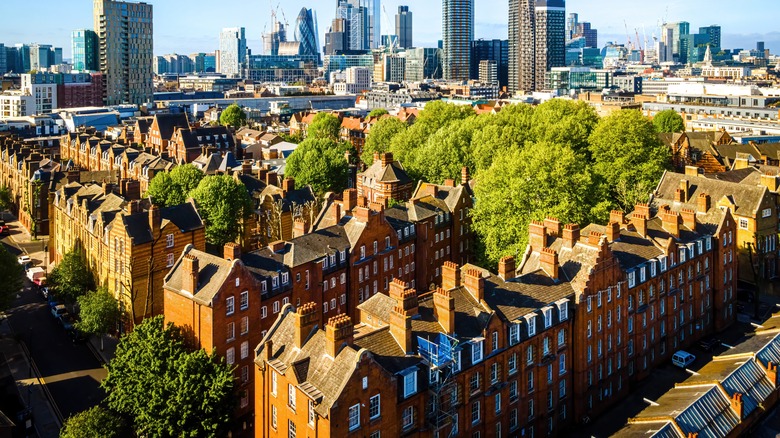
<point x="30" y="387"/>
<point x="109" y="347"/>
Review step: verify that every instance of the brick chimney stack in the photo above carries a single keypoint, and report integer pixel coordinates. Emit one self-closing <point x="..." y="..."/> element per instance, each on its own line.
<point x="770" y="182"/>
<point x="450" y="276"/>
<point x="300" y="227"/>
<point x="685" y="187"/>
<point x="613" y="231"/>
<point x="617" y="216"/>
<point x="444" y="309"/>
<point x="671" y="223"/>
<point x="464" y="175"/>
<point x="703" y="203"/>
<point x="246" y="167"/>
<point x="338" y="333"/>
<point x="506" y="268"/>
<point x="349" y="200"/>
<point x="155" y="220"/>
<point x="736" y="404"/>
<point x="401" y="328"/>
<point x="306" y="318"/>
<point x="231" y="251"/>
<point x="387" y="159"/>
<point x="553" y="226"/>
<point x="571" y="235"/>
<point x="288" y="185"/>
<point x="642" y="209"/>
<point x="473" y="281"/>
<point x="537" y="235"/>
<point x="548" y="261"/>
<point x="361" y="214"/>
<point x="190" y="275"/>
<point x="639" y="221"/>
<point x="688" y="218"/>
<point x="771" y="373"/>
<point x="376" y="155"/>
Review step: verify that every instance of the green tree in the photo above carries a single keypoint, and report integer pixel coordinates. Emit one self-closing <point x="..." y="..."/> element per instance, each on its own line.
<point x="94" y="422"/>
<point x="297" y="138"/>
<point x="71" y="278"/>
<point x="542" y="179"/>
<point x="99" y="313"/>
<point x="379" y="112"/>
<point x="320" y="163"/>
<point x="324" y="126"/>
<point x="509" y="129"/>
<point x="174" y="187"/>
<point x="11" y="278"/>
<point x="222" y="203"/>
<point x="564" y="121"/>
<point x="668" y="121"/>
<point x="445" y="152"/>
<point x="166" y="389"/>
<point x="5" y="198"/>
<point x="233" y="116"/>
<point x="628" y="158"/>
<point x="380" y="137"/>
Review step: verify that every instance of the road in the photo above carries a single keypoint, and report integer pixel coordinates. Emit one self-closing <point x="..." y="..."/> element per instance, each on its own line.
<point x="71" y="373"/>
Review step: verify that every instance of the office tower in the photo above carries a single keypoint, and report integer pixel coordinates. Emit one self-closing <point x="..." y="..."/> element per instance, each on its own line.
<point x="85" y="47"/>
<point x="126" y="50"/>
<point x="423" y="63"/>
<point x="488" y="71"/>
<point x="760" y="48"/>
<point x="336" y="37"/>
<point x="458" y="32"/>
<point x="40" y="57"/>
<point x="537" y="41"/>
<point x="3" y="60"/>
<point x="713" y="36"/>
<point x="371" y="21"/>
<point x="306" y="33"/>
<point x="591" y="35"/>
<point x="677" y="42"/>
<point x="550" y="40"/>
<point x="232" y="50"/>
<point x="571" y="25"/>
<point x="403" y="27"/>
<point x="491" y="50"/>
<point x="272" y="40"/>
<point x="356" y="25"/>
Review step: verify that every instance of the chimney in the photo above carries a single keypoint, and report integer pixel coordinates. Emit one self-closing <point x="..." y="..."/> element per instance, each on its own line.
<point x="401" y="328"/>
<point x="130" y="189"/>
<point x="617" y="216"/>
<point x="691" y="171"/>
<point x="337" y="212"/>
<point x="613" y="231"/>
<point x="190" y="275"/>
<point x="740" y="163"/>
<point x="449" y="182"/>
<point x="537" y="235"/>
<point x="277" y="245"/>
<point x="685" y="187"/>
<point x="571" y="235"/>
<point x="506" y="268"/>
<point x="671" y="223"/>
<point x="736" y="404"/>
<point x="271" y="179"/>
<point x="376" y="155"/>
<point x="262" y="173"/>
<point x="639" y="221"/>
<point x="642" y="209"/>
<point x="688" y="218"/>
<point x="770" y="182"/>
<point x="444" y="309"/>
<point x="473" y="281"/>
<point x="288" y="185"/>
<point x="771" y="373"/>
<point x="246" y="167"/>
<point x="349" y="199"/>
<point x="692" y="435"/>
<point x="450" y="276"/>
<point x="679" y="195"/>
<point x="231" y="251"/>
<point x="553" y="226"/>
<point x="703" y="203"/>
<point x="548" y="261"/>
<point x="155" y="220"/>
<point x="387" y="159"/>
<point x="464" y="175"/>
<point x="300" y="227"/>
<point x="361" y="214"/>
<point x="338" y="333"/>
<point x="306" y="318"/>
<point x="106" y="188"/>
<point x="73" y="176"/>
<point x="133" y="207"/>
<point x="594" y="237"/>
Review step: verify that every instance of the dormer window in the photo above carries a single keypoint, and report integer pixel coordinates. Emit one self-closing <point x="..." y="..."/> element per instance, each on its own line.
<point x="275" y="282"/>
<point x="531" y="321"/>
<point x="285" y="278"/>
<point x="333" y="259"/>
<point x="547" y="312"/>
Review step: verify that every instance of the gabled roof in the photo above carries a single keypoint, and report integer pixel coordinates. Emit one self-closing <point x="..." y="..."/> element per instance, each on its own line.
<point x="167" y="123"/>
<point x="391" y="173"/>
<point x="184" y="216"/>
<point x="213" y="271"/>
<point x="747" y="198"/>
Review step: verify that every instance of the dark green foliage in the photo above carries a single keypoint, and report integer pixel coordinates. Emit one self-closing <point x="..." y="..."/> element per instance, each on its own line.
<point x="233" y="116"/>
<point x="379" y="112"/>
<point x="11" y="278"/>
<point x="668" y="121"/>
<point x="99" y="312"/>
<point x="320" y="163"/>
<point x="165" y="388"/>
<point x="324" y="126"/>
<point x="71" y="278"/>
<point x="378" y="140"/>
<point x="94" y="422"/>
<point x="174" y="187"/>
<point x="222" y="203"/>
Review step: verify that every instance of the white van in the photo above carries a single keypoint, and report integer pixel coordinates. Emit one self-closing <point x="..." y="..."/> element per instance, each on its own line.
<point x="682" y="359"/>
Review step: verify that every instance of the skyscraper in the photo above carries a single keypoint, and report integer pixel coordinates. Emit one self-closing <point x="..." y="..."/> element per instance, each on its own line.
<point x="85" y="50"/>
<point x="232" y="50"/>
<point x="306" y="33"/>
<point x="677" y="42"/>
<point x="272" y="40"/>
<point x="491" y="50"/>
<point x="403" y="27"/>
<point x="457" y="32"/>
<point x="537" y="41"/>
<point x="126" y="50"/>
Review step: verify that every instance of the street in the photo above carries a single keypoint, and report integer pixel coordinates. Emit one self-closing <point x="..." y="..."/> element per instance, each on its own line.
<point x="71" y="373"/>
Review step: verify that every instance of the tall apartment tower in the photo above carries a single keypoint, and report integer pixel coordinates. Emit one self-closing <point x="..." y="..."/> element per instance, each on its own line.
<point x="85" y="50"/>
<point x="232" y="50"/>
<point x="458" y="32"/>
<point x="537" y="41"/>
<point x="403" y="27"/>
<point x="126" y="50"/>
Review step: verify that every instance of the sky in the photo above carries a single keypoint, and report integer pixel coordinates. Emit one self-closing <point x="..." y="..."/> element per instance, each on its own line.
<point x="189" y="26"/>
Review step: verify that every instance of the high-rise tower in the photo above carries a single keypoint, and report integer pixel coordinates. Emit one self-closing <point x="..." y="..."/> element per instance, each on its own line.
<point x="126" y="50"/>
<point x="537" y="41"/>
<point x="85" y="50"/>
<point x="306" y="33"/>
<point x="458" y="32"/>
<point x="403" y="27"/>
<point x="232" y="50"/>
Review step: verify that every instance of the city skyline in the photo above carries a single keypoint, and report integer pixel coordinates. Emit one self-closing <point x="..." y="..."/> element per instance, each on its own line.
<point x="173" y="34"/>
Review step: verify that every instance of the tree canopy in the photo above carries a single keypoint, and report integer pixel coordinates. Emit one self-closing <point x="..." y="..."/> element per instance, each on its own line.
<point x="71" y="277"/>
<point x="233" y="116"/>
<point x="11" y="278"/>
<point x="94" y="422"/>
<point x="222" y="202"/>
<point x="99" y="313"/>
<point x="379" y="112"/>
<point x="324" y="126"/>
<point x="174" y="187"/>
<point x="320" y="163"/>
<point x="668" y="121"/>
<point x="5" y="198"/>
<point x="166" y="389"/>
<point x="380" y="136"/>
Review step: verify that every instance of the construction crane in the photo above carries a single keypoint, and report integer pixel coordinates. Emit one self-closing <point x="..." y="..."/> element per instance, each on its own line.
<point x="389" y="26"/>
<point x="628" y="36"/>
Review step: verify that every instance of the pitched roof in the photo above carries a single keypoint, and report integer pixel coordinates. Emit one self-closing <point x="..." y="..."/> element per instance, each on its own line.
<point x="392" y="172"/>
<point x="213" y="271"/>
<point x="747" y="198"/>
<point x="184" y="216"/>
<point x="167" y="123"/>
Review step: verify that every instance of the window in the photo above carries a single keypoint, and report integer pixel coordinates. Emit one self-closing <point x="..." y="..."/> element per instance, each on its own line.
<point x="766" y="212"/>
<point x="494" y="341"/>
<point x="531" y="319"/>
<point x="476" y="352"/>
<point x="410" y="384"/>
<point x="743" y="224"/>
<point x="497" y="400"/>
<point x="263" y="311"/>
<point x="529" y="355"/>
<point x="291" y="395"/>
<point x="230" y="305"/>
<point x="513" y="390"/>
<point x="245" y="374"/>
<point x="512" y="363"/>
<point x="231" y="331"/>
<point x="562" y="389"/>
<point x="456" y="361"/>
<point x="474" y="383"/>
<point x="276" y="306"/>
<point x="514" y="334"/>
<point x="354" y="416"/>
<point x="563" y="310"/>
<point x="244" y="300"/>
<point x="562" y="364"/>
<point x="169" y="241"/>
<point x="494" y="374"/>
<point x="312" y="413"/>
<point x="475" y="411"/>
<point x="273" y="383"/>
<point x="273" y="416"/>
<point x="408" y="417"/>
<point x="244" y="325"/>
<point x="373" y="407"/>
<point x="362" y="251"/>
<point x="561" y="337"/>
<point x="549" y="373"/>
<point x="546" y="346"/>
<point x="547" y="318"/>
<point x="244" y="349"/>
<point x="230" y="356"/>
<point x="530" y="381"/>
<point x="530" y="408"/>
<point x="170" y="260"/>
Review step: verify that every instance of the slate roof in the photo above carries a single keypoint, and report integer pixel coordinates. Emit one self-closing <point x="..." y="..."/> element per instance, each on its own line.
<point x="391" y="173"/>
<point x="212" y="273"/>
<point x="747" y="198"/>
<point x="450" y="195"/>
<point x="184" y="216"/>
<point x="658" y="429"/>
<point x="167" y="123"/>
<point x="703" y="409"/>
<point x="523" y="295"/>
<point x="298" y="196"/>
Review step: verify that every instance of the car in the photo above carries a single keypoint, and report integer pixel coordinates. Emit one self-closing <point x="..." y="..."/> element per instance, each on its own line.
<point x="4" y="230"/>
<point x="52" y="301"/>
<point x="67" y="321"/>
<point x="709" y="344"/>
<point x="24" y="260"/>
<point x="58" y="310"/>
<point x="682" y="359"/>
<point x="77" y="336"/>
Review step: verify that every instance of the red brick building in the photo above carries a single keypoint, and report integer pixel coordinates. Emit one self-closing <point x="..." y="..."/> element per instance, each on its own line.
<point x="384" y="180"/>
<point x="79" y="94"/>
<point x="161" y="131"/>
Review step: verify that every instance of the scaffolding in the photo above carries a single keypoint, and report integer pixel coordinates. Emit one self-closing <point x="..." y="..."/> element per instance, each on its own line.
<point x="439" y="354"/>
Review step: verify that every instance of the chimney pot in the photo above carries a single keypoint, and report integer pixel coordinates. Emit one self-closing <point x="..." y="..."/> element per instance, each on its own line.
<point x="506" y="268"/>
<point x="444" y="309"/>
<point x="553" y="226"/>
<point x="571" y="235"/>
<point x="306" y="318"/>
<point x="639" y="221"/>
<point x="450" y="276"/>
<point x="613" y="231"/>
<point x="231" y="251"/>
<point x="537" y="235"/>
<point x="549" y="262"/>
<point x="617" y="216"/>
<point x="464" y="175"/>
<point x="190" y="274"/>
<point x="338" y="333"/>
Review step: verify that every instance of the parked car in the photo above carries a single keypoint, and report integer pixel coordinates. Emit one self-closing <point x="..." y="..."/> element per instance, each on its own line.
<point x="37" y="275"/>
<point x="682" y="359"/>
<point x="709" y="344"/>
<point x="77" y="336"/>
<point x="24" y="260"/>
<point x="4" y="229"/>
<point x="58" y="310"/>
<point x="67" y="321"/>
<point x="52" y="301"/>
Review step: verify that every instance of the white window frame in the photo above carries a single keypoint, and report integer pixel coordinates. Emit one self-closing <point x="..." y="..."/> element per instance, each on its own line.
<point x="353" y="417"/>
<point x="476" y="352"/>
<point x="378" y="413"/>
<point x="410" y="384"/>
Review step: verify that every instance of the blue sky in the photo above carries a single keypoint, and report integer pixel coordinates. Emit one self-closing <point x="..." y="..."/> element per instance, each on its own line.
<point x="186" y="26"/>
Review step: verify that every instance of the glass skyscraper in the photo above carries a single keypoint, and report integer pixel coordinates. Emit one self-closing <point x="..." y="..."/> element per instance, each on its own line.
<point x="85" y="47"/>
<point x="306" y="33"/>
<point x="232" y="51"/>
<point x="458" y="32"/>
<point x="537" y="41"/>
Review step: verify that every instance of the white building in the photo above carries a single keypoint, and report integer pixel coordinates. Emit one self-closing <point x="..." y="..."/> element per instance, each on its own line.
<point x="16" y="104"/>
<point x="43" y="90"/>
<point x="232" y="51"/>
